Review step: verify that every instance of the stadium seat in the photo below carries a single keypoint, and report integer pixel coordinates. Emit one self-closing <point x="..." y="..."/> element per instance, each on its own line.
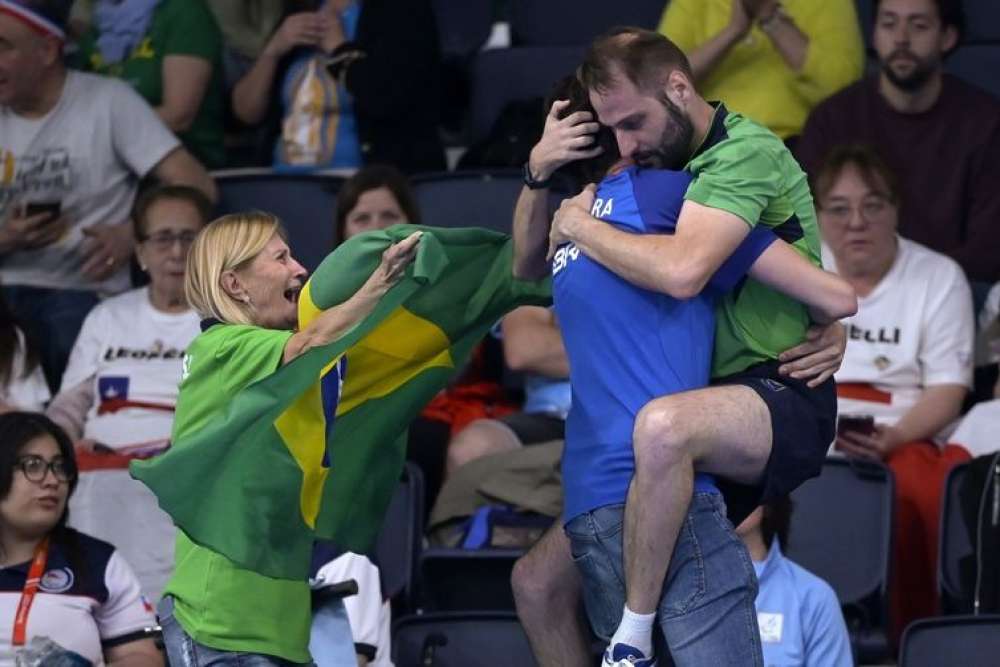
<point x="956" y="546"/>
<point x="866" y="19"/>
<point x="462" y="579"/>
<point x="966" y="641"/>
<point x="841" y="531"/>
<point x="398" y="545"/>
<point x="468" y="198"/>
<point x="501" y="76"/>
<point x="979" y="64"/>
<point x="576" y="22"/>
<point x="982" y="21"/>
<point x="304" y="202"/>
<point x="463" y="25"/>
<point x="464" y="639"/>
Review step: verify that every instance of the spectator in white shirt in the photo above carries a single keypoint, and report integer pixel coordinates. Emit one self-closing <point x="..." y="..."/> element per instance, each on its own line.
<point x="908" y="363"/>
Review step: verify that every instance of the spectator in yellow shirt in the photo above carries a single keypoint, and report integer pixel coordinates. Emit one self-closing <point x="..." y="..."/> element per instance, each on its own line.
<point x="772" y="61"/>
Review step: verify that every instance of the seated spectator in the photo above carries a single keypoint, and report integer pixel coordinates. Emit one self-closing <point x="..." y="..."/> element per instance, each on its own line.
<point x="120" y="387"/>
<point x="87" y="607"/>
<point x="938" y="134"/>
<point x="908" y="363"/>
<point x="797" y="612"/>
<point x="170" y="51"/>
<point x="532" y="344"/>
<point x="356" y="84"/>
<point x="369" y="615"/>
<point x="376" y="197"/>
<point x="74" y="147"/>
<point x="246" y="29"/>
<point x="22" y="384"/>
<point x="799" y="51"/>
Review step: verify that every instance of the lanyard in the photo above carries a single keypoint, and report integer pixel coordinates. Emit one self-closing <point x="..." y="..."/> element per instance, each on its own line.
<point x="35" y="573"/>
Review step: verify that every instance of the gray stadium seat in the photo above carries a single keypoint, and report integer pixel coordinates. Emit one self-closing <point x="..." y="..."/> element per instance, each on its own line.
<point x="955" y="545"/>
<point x="462" y="579"/>
<point x="463" y="25"/>
<point x="397" y="547"/>
<point x="842" y="532"/>
<point x="962" y="641"/>
<point x="304" y="202"/>
<point x="982" y="21"/>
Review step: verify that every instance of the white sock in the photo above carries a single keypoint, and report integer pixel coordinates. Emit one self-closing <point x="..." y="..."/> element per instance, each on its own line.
<point x="636" y="630"/>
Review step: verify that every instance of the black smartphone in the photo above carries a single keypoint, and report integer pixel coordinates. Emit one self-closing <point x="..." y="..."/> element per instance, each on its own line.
<point x="53" y="208"/>
<point x="864" y="424"/>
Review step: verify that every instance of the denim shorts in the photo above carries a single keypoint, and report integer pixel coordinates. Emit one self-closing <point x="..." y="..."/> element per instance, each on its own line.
<point x="183" y="651"/>
<point x="706" y="612"/>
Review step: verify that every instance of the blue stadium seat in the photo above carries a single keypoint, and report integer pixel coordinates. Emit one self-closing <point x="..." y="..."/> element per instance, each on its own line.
<point x="462" y="579"/>
<point x="463" y="25"/>
<point x="500" y="76"/>
<point x="979" y="64"/>
<point x="982" y="21"/>
<point x="464" y="639"/>
<point x="577" y="22"/>
<point x="468" y="198"/>
<point x="842" y="532"/>
<point x="398" y="545"/>
<point x="968" y="641"/>
<point x="304" y="202"/>
<point x="956" y="546"/>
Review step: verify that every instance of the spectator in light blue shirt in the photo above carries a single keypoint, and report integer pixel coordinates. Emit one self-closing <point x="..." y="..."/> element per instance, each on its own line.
<point x="798" y="613"/>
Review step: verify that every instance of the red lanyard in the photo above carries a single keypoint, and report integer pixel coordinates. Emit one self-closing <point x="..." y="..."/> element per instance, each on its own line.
<point x="35" y="573"/>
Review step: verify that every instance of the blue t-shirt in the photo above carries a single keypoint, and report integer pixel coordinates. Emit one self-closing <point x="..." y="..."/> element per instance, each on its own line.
<point x="627" y="345"/>
<point x="799" y="616"/>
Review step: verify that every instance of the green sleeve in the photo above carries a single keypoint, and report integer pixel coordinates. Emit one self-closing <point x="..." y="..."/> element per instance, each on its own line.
<point x="190" y="29"/>
<point x="245" y="354"/>
<point x="742" y="179"/>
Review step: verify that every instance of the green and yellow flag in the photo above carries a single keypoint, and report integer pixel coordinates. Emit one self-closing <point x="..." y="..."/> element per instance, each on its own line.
<point x="279" y="469"/>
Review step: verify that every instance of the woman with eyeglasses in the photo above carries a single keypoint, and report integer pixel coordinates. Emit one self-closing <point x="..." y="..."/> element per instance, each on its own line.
<point x="65" y="598"/>
<point x="119" y="390"/>
<point x="908" y="363"/>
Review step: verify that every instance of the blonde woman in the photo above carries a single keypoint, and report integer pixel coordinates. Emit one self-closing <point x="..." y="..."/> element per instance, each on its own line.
<point x="243" y="281"/>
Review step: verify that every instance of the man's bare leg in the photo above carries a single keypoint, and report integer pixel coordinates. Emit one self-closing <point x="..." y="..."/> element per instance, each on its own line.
<point x="720" y="430"/>
<point x="547" y="591"/>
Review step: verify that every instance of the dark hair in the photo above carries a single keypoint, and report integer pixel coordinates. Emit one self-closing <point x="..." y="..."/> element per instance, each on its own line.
<point x="194" y="196"/>
<point x="373" y="177"/>
<point x="17" y="429"/>
<point x="643" y="56"/>
<point x="590" y="170"/>
<point x="874" y="171"/>
<point x="56" y="11"/>
<point x="950" y="13"/>
<point x="776" y="520"/>
<point x="11" y="343"/>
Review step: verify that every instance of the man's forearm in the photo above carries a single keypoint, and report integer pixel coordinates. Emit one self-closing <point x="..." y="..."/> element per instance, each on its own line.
<point x="531" y="234"/>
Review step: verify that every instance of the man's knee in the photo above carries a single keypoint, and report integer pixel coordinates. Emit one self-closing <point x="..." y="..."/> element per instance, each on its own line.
<point x="480" y="438"/>
<point x="543" y="579"/>
<point x="660" y="436"/>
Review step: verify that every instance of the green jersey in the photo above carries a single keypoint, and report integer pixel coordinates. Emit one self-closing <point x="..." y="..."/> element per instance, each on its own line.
<point x="218" y="603"/>
<point x="742" y="168"/>
<point x="178" y="28"/>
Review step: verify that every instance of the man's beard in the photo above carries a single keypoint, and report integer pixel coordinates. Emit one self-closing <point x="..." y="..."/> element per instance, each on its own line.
<point x="675" y="143"/>
<point x="921" y="73"/>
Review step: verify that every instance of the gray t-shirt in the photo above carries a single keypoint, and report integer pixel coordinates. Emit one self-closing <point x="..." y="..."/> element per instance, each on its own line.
<point x="88" y="153"/>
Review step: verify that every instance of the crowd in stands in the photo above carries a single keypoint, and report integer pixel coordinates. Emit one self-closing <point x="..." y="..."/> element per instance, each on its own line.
<point x="114" y="113"/>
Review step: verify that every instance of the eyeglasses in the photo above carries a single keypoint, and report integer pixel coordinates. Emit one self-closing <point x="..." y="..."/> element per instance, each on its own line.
<point x="870" y="209"/>
<point x="164" y="241"/>
<point x="35" y="468"/>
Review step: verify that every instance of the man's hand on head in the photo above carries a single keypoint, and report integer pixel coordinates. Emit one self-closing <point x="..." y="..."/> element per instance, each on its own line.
<point x="571" y="219"/>
<point x="563" y="141"/>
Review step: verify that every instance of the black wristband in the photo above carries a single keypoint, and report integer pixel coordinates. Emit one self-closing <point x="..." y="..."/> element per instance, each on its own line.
<point x="530" y="181"/>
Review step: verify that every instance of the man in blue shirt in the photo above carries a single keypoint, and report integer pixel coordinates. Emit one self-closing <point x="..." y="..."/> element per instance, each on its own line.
<point x="798" y="613"/>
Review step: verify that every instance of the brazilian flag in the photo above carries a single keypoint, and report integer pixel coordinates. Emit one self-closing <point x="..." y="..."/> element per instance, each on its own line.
<point x="280" y="468"/>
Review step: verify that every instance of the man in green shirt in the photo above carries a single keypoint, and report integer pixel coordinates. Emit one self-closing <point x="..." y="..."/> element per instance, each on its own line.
<point x="762" y="426"/>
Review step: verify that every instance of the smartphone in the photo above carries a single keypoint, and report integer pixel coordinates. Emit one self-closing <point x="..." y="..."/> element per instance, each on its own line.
<point x="53" y="208"/>
<point x="864" y="424"/>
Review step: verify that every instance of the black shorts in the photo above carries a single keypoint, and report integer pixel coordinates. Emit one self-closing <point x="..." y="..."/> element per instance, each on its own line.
<point x="803" y="424"/>
<point x="535" y="428"/>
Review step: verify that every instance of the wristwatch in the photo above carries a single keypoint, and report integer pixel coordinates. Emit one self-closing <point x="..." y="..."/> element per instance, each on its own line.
<point x="530" y="180"/>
